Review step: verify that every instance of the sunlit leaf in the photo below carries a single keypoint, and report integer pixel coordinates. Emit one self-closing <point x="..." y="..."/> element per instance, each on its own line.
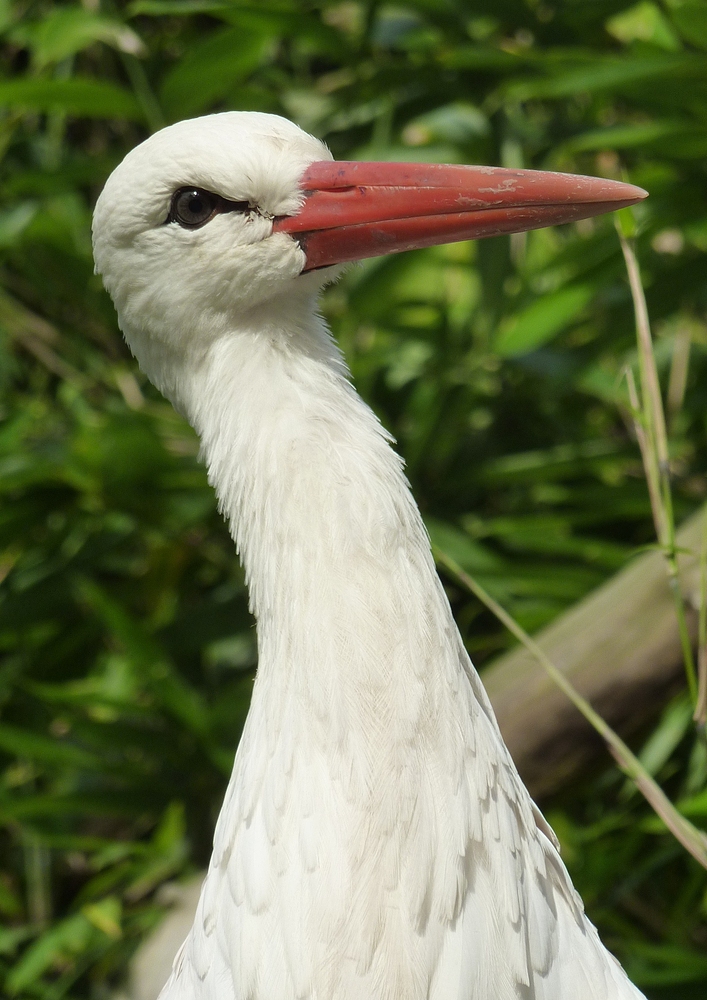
<point x="63" y="940"/>
<point x="68" y="30"/>
<point x="80" y="97"/>
<point x="105" y="915"/>
<point x="646" y="23"/>
<point x="604" y="74"/>
<point x="166" y="8"/>
<point x="690" y="19"/>
<point x="470" y="554"/>
<point x="542" y="320"/>
<point x="623" y="136"/>
<point x="211" y="69"/>
<point x="34" y="746"/>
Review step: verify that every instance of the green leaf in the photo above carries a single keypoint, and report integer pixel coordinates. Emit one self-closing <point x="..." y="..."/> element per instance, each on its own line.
<point x="179" y="8"/>
<point x="14" y="221"/>
<point x="602" y="74"/>
<point x="68" y="30"/>
<point x="480" y="57"/>
<point x="645" y="23"/>
<point x="696" y="805"/>
<point x="105" y="915"/>
<point x="12" y="937"/>
<point x="168" y="851"/>
<point x="10" y="904"/>
<point x="664" y="739"/>
<point x="666" y="964"/>
<point x="691" y="21"/>
<point x="211" y="69"/>
<point x="625" y="221"/>
<point x="7" y="14"/>
<point x="62" y="940"/>
<point x="542" y="320"/>
<point x="86" y="804"/>
<point x="181" y="699"/>
<point x="32" y="745"/>
<point x="80" y="97"/>
<point x="470" y="554"/>
<point x="622" y="136"/>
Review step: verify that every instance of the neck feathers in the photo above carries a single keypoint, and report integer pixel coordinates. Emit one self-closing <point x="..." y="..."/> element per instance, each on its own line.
<point x="337" y="559"/>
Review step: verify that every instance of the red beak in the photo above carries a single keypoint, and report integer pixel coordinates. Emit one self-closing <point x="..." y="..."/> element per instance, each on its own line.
<point x="354" y="210"/>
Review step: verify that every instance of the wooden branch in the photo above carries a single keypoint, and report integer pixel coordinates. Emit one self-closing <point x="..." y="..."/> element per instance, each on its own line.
<point x="620" y="648"/>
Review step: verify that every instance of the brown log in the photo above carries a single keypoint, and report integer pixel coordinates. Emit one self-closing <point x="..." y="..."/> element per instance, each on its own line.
<point x="619" y="647"/>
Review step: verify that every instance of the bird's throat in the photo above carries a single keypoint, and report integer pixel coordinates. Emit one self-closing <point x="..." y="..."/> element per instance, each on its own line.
<point x="337" y="560"/>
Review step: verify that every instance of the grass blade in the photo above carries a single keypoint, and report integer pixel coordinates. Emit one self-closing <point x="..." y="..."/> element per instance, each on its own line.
<point x="692" y="839"/>
<point x="700" y="715"/>
<point x="654" y="449"/>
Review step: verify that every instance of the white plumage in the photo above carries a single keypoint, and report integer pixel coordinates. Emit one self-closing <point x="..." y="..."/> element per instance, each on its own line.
<point x="375" y="841"/>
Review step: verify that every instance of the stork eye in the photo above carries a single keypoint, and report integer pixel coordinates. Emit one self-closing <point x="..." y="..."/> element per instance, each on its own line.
<point x="192" y="207"/>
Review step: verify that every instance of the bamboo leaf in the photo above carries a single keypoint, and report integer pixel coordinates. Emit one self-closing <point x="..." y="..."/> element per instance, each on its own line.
<point x="211" y="69"/>
<point x="67" y="30"/>
<point x="542" y="320"/>
<point x="691" y="21"/>
<point x="645" y="23"/>
<point x="80" y="97"/>
<point x="56" y="753"/>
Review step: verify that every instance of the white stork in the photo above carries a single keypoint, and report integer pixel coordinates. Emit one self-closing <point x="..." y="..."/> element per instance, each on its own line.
<point x="375" y="841"/>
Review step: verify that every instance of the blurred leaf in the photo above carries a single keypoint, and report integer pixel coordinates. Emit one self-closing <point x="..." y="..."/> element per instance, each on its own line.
<point x="34" y="746"/>
<point x="13" y="222"/>
<point x="145" y="652"/>
<point x="691" y="21"/>
<point x="646" y="23"/>
<point x="602" y="74"/>
<point x="542" y="320"/>
<point x="470" y="555"/>
<point x="622" y="136"/>
<point x="68" y="30"/>
<point x="170" y="849"/>
<point x="656" y="964"/>
<point x="82" y="98"/>
<point x="664" y="739"/>
<point x="60" y="942"/>
<point x="12" y="937"/>
<point x="105" y="915"/>
<point x="211" y="68"/>
<point x="181" y="8"/>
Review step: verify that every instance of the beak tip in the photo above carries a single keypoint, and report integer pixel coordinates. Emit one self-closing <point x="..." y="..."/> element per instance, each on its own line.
<point x="637" y="193"/>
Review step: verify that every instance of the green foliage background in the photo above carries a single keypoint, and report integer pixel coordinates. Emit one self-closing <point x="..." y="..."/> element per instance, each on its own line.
<point x="127" y="648"/>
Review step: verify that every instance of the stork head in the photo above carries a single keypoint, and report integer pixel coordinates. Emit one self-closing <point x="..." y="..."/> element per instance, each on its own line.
<point x="183" y="229"/>
<point x="213" y="218"/>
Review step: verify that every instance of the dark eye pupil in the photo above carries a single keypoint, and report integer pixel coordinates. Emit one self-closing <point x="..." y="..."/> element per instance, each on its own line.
<point x="193" y="208"/>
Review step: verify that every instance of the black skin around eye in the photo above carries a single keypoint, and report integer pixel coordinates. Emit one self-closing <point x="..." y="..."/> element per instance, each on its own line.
<point x="193" y="207"/>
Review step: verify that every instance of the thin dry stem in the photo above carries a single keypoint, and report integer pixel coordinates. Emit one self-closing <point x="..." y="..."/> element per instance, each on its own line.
<point x="656" y="455"/>
<point x="700" y="715"/>
<point x="692" y="839"/>
<point x="650" y="386"/>
<point x="650" y="466"/>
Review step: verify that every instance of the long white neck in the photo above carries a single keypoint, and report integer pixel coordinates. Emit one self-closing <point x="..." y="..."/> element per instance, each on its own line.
<point x="337" y="559"/>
